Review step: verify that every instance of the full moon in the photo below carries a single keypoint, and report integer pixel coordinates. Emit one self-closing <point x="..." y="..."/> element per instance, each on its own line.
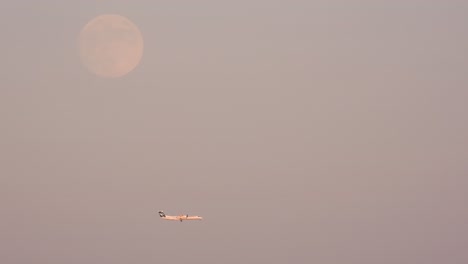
<point x="110" y="46"/>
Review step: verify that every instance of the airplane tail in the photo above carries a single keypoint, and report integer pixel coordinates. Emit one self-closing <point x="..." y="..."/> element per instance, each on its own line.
<point x="162" y="214"/>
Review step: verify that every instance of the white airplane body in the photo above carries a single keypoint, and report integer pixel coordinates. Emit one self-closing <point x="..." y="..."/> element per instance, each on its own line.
<point x="178" y="217"/>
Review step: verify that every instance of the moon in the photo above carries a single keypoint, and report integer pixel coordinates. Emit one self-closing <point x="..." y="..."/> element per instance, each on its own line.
<point x="110" y="46"/>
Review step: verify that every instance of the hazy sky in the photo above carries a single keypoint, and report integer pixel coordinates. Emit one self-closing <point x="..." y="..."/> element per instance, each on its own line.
<point x="317" y="132"/>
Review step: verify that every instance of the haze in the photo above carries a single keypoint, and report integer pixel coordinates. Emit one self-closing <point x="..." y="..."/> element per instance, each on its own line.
<point x="317" y="132"/>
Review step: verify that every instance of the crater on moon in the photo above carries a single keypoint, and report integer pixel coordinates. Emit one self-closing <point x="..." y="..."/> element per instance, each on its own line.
<point x="110" y="45"/>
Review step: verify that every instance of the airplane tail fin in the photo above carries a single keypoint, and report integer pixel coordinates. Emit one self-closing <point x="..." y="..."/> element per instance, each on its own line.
<point x="162" y="214"/>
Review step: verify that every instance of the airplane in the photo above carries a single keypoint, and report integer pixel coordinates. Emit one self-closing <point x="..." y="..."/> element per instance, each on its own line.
<point x="178" y="217"/>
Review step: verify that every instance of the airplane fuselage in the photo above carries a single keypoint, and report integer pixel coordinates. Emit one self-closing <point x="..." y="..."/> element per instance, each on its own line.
<point x="179" y="217"/>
